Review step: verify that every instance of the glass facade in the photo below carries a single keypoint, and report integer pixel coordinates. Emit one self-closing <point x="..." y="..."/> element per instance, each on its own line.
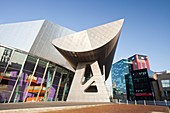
<point x="118" y="72"/>
<point x="130" y="77"/>
<point x="24" y="78"/>
<point x="139" y="85"/>
<point x="164" y="85"/>
<point x="129" y="87"/>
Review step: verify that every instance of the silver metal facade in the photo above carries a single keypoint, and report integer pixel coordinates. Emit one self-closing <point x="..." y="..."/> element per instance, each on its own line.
<point x="98" y="43"/>
<point x="89" y="52"/>
<point x="27" y="57"/>
<point x="35" y="37"/>
<point x="20" y="35"/>
<point x="42" y="46"/>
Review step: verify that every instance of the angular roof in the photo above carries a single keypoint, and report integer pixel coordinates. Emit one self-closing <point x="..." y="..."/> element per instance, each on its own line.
<point x="89" y="39"/>
<point x="20" y="35"/>
<point x="95" y="44"/>
<point x="35" y="37"/>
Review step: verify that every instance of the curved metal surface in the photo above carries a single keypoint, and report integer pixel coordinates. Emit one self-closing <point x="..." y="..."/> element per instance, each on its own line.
<point x="95" y="44"/>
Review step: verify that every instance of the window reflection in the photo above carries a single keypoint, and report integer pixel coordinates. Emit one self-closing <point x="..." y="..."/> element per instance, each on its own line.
<point x="26" y="77"/>
<point x="48" y="81"/>
<point x="21" y="78"/>
<point x="11" y="75"/>
<point x="5" y="54"/>
<point x="165" y="83"/>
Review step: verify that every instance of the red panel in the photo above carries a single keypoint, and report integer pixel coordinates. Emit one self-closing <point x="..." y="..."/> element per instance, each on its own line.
<point x="134" y="67"/>
<point x="143" y="64"/>
<point x="138" y="62"/>
<point x="143" y="94"/>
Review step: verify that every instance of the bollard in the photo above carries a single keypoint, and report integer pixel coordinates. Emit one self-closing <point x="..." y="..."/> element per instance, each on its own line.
<point x="127" y="102"/>
<point x="116" y="101"/>
<point x="144" y="102"/>
<point x="4" y="100"/>
<point x="165" y="102"/>
<point x="135" y="102"/>
<point x="154" y="102"/>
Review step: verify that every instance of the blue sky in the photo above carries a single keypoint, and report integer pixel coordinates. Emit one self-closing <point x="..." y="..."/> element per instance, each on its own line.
<point x="146" y="29"/>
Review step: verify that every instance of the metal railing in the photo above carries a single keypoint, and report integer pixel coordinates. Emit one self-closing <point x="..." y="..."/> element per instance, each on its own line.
<point x="143" y="102"/>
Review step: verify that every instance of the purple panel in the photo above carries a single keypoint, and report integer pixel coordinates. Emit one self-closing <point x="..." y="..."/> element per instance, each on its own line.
<point x="10" y="85"/>
<point x="52" y="92"/>
<point x="4" y="96"/>
<point x="39" y="80"/>
<point x="13" y="74"/>
<point x="30" y="95"/>
<point x="21" y="79"/>
<point x="24" y="84"/>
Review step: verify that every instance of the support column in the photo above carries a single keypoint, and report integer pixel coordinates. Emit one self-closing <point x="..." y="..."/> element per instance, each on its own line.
<point x="104" y="73"/>
<point x="94" y="90"/>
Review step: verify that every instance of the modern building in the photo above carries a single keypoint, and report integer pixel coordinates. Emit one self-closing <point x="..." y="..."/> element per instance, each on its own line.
<point x="162" y="85"/>
<point x="90" y="52"/>
<point x="30" y="67"/>
<point x="122" y="78"/>
<point x="130" y="87"/>
<point x="139" y="62"/>
<point x="139" y="85"/>
<point x="118" y="72"/>
<point x="37" y="65"/>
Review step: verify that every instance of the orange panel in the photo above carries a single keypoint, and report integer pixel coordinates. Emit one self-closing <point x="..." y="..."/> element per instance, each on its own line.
<point x="33" y="99"/>
<point x="3" y="77"/>
<point x="35" y="89"/>
<point x="28" y="80"/>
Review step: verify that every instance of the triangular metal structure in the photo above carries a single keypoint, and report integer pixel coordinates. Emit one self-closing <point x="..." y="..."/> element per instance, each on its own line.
<point x="95" y="47"/>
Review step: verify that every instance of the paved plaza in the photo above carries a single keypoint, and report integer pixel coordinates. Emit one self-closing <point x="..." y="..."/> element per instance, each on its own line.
<point x="79" y="107"/>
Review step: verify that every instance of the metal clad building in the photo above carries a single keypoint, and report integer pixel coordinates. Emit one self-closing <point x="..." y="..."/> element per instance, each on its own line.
<point x="42" y="61"/>
<point x="31" y="69"/>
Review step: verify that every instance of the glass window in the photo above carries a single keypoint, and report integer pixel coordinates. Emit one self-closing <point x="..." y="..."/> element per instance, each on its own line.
<point x="12" y="73"/>
<point x="5" y="54"/>
<point x="35" y="85"/>
<point x="165" y="83"/>
<point x="69" y="82"/>
<point x="26" y="78"/>
<point x="48" y="82"/>
<point x="62" y="86"/>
